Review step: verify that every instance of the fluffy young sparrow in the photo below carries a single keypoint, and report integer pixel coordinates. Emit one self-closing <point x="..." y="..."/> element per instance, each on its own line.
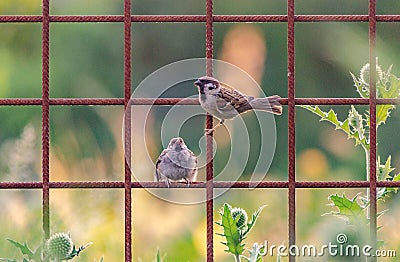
<point x="224" y="102"/>
<point x="176" y="162"/>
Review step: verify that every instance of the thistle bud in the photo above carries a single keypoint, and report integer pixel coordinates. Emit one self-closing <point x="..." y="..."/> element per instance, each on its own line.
<point x="242" y="220"/>
<point x="59" y="246"/>
<point x="365" y="71"/>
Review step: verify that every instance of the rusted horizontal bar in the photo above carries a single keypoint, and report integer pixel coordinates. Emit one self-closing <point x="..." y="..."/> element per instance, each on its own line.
<point x="86" y="101"/>
<point x="217" y="184"/>
<point x="341" y="101"/>
<point x="21" y="185"/>
<point x="181" y="101"/>
<point x="195" y="18"/>
<point x="61" y="101"/>
<point x="20" y="101"/>
<point x="96" y="101"/>
<point x="283" y="18"/>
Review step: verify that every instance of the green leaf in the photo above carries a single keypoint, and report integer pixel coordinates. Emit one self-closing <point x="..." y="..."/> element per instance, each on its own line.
<point x="231" y="232"/>
<point x="8" y="260"/>
<point x="394" y="189"/>
<point x="350" y="210"/>
<point x="331" y="117"/>
<point x="383" y="171"/>
<point x="23" y="248"/>
<point x="391" y="89"/>
<point x="356" y="123"/>
<point x="345" y="126"/>
<point x="253" y="220"/>
<point x="158" y="258"/>
<point x="361" y="88"/>
<point x="383" y="113"/>
<point x="75" y="252"/>
<point x="327" y="116"/>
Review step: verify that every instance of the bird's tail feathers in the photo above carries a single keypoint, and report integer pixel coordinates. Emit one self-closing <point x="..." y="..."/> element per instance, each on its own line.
<point x="270" y="104"/>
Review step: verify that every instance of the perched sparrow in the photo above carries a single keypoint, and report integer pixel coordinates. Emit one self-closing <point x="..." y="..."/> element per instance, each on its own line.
<point x="176" y="162"/>
<point x="224" y="102"/>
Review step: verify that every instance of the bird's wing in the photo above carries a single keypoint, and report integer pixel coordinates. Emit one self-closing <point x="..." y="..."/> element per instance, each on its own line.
<point x="157" y="175"/>
<point x="195" y="158"/>
<point x="231" y="97"/>
<point x="191" y="153"/>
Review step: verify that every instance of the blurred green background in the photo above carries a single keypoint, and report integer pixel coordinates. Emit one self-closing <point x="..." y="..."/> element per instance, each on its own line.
<point x="86" y="60"/>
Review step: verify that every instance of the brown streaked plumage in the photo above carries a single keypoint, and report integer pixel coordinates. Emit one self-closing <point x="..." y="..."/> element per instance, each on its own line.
<point x="226" y="103"/>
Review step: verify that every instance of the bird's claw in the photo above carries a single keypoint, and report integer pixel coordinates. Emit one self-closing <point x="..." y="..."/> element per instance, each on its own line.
<point x="187" y="182"/>
<point x="209" y="131"/>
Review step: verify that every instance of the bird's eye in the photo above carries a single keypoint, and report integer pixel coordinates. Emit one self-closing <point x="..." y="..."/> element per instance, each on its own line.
<point x="211" y="86"/>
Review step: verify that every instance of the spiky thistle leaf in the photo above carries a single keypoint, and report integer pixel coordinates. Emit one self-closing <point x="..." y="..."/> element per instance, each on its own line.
<point x="231" y="232"/>
<point x="25" y="250"/>
<point x="388" y="90"/>
<point x="253" y="220"/>
<point x="331" y="117"/>
<point x="348" y="209"/>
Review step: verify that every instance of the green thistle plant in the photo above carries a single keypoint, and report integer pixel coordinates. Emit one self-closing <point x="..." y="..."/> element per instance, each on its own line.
<point x="59" y="246"/>
<point x="234" y="222"/>
<point x="239" y="215"/>
<point x="158" y="257"/>
<point x="364" y="74"/>
<point x="357" y="127"/>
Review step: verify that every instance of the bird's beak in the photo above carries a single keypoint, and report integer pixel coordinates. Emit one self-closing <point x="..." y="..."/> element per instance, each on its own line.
<point x="197" y="83"/>
<point x="179" y="145"/>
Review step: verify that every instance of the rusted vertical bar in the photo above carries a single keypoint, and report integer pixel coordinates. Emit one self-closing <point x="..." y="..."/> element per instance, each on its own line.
<point x="291" y="127"/>
<point x="46" y="116"/>
<point x="209" y="138"/>
<point x="372" y="110"/>
<point x="127" y="127"/>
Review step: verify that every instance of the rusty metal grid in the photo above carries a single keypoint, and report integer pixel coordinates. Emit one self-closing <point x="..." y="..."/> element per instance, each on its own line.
<point x="291" y="101"/>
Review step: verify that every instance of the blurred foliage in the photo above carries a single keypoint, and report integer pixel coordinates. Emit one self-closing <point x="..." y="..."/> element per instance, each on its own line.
<point x="86" y="60"/>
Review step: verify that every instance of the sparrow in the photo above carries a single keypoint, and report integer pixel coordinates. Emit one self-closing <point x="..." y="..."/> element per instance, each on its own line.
<point x="176" y="162"/>
<point x="224" y="102"/>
